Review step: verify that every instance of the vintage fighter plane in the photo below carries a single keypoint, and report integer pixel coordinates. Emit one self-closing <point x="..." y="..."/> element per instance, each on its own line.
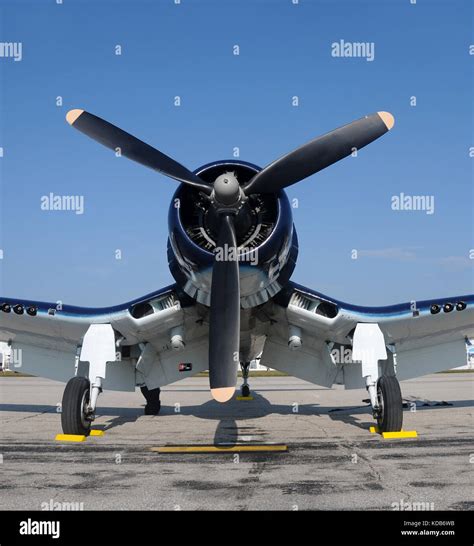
<point x="232" y="249"/>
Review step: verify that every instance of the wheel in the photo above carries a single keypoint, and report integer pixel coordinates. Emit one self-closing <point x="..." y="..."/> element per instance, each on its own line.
<point x="74" y="419"/>
<point x="153" y="404"/>
<point x="245" y="390"/>
<point x="389" y="395"/>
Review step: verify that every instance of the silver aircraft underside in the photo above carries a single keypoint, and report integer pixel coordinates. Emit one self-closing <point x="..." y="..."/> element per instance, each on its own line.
<point x="300" y="332"/>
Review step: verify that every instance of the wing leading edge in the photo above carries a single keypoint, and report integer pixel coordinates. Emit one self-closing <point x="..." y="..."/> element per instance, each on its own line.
<point x="45" y="337"/>
<point x="423" y="336"/>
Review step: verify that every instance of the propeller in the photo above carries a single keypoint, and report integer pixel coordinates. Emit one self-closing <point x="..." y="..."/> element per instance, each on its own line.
<point x="319" y="153"/>
<point x="115" y="138"/>
<point x="227" y="197"/>
<point x="224" y="324"/>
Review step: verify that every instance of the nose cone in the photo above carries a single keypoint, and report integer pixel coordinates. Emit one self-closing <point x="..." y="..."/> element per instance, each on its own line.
<point x="227" y="189"/>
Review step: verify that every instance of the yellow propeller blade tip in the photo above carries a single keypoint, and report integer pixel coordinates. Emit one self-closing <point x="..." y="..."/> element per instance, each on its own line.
<point x="387" y="118"/>
<point x="223" y="394"/>
<point x="72" y="115"/>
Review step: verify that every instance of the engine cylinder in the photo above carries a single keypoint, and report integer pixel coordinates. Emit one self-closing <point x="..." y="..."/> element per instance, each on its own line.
<point x="266" y="239"/>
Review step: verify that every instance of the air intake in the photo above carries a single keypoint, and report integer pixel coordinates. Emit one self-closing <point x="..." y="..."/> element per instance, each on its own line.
<point x="314" y="305"/>
<point x="146" y="308"/>
<point x="303" y="302"/>
<point x="166" y="302"/>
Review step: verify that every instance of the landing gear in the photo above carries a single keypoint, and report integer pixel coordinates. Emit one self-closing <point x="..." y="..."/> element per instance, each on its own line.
<point x="81" y="393"/>
<point x="245" y="389"/>
<point x="153" y="404"/>
<point x="368" y="347"/>
<point x="389" y="410"/>
<point x="76" y="415"/>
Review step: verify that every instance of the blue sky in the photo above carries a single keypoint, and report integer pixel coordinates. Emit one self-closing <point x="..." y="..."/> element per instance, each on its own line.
<point x="239" y="101"/>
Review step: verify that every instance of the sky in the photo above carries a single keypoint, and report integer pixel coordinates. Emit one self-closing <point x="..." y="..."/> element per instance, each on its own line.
<point x="421" y="72"/>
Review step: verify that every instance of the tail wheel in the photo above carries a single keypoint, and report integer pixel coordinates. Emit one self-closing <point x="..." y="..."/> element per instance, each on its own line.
<point x="389" y="396"/>
<point x="74" y="415"/>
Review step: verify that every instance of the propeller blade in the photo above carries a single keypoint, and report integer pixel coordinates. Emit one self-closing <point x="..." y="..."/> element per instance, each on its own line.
<point x="319" y="153"/>
<point x="224" y="325"/>
<point x="113" y="137"/>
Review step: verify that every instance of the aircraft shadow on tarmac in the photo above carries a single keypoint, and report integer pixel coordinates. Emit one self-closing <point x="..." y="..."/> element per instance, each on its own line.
<point x="227" y="430"/>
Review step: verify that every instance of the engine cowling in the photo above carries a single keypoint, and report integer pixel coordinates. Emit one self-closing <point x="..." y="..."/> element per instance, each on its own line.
<point x="266" y="238"/>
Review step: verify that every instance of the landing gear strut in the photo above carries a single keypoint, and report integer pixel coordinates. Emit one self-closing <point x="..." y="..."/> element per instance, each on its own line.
<point x="245" y="389"/>
<point x="81" y="393"/>
<point x="76" y="413"/>
<point x="368" y="347"/>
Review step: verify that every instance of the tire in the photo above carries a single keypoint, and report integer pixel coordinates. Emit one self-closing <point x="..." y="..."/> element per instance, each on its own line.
<point x="153" y="404"/>
<point x="245" y="390"/>
<point x="390" y="418"/>
<point x="76" y="396"/>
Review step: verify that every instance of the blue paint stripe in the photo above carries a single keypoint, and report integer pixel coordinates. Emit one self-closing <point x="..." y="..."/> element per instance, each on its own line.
<point x="397" y="309"/>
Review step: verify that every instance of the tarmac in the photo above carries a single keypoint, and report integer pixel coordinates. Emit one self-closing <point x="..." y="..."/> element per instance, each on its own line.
<point x="331" y="460"/>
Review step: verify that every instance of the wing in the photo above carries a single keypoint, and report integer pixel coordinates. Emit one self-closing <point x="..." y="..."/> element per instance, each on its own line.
<point x="422" y="336"/>
<point x="45" y="338"/>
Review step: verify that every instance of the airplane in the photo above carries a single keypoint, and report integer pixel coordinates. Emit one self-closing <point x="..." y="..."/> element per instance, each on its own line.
<point x="232" y="249"/>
